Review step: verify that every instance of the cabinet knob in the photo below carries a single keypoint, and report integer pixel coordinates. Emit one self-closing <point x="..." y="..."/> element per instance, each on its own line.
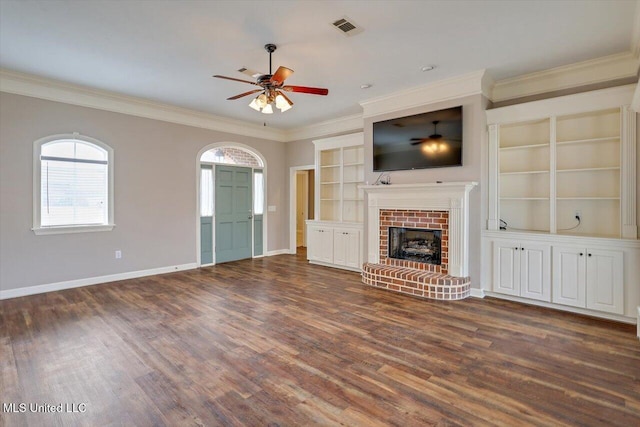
<point x="522" y="249"/>
<point x="589" y="254"/>
<point x="581" y="254"/>
<point x="515" y="249"/>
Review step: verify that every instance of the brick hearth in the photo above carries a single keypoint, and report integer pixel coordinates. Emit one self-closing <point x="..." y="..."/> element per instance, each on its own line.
<point x="416" y="282"/>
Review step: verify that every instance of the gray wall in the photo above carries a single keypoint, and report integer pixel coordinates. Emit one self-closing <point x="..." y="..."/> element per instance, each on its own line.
<point x="155" y="193"/>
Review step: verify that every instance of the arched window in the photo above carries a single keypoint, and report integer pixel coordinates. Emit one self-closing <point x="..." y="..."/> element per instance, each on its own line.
<point x="232" y="156"/>
<point x="73" y="185"/>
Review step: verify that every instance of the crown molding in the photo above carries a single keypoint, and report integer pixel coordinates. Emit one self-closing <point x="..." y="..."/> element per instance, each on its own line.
<point x="442" y="90"/>
<point x="329" y="127"/>
<point x="583" y="102"/>
<point x="54" y="90"/>
<point x="599" y="70"/>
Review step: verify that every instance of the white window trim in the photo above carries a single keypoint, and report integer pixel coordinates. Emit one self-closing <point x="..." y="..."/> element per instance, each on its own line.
<point x="37" y="227"/>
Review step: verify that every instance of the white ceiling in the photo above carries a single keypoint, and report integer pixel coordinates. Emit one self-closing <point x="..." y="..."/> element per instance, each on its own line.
<point x="167" y="50"/>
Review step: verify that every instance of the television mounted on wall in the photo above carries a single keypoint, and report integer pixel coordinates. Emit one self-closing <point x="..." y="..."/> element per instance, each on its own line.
<point x="421" y="141"/>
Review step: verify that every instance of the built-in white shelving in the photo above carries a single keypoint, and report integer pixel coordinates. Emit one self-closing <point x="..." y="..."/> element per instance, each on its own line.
<point x="335" y="236"/>
<point x="549" y="162"/>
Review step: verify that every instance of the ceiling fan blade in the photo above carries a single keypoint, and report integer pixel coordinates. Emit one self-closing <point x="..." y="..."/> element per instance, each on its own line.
<point x="417" y="141"/>
<point x="236" y="80"/>
<point x="244" y="94"/>
<point x="305" y="89"/>
<point x="281" y="74"/>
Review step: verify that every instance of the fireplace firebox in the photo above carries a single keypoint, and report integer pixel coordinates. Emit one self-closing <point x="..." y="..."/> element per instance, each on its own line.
<point x="415" y="244"/>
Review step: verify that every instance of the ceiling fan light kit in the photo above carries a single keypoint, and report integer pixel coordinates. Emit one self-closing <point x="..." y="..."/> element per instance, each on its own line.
<point x="272" y="87"/>
<point x="434" y="144"/>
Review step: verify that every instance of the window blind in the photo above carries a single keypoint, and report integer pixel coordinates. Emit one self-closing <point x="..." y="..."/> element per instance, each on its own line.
<point x="73" y="192"/>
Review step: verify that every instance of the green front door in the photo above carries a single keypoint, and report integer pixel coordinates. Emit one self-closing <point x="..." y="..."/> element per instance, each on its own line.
<point x="233" y="213"/>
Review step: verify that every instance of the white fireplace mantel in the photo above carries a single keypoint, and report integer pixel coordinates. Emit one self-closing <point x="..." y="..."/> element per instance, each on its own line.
<point x="452" y="197"/>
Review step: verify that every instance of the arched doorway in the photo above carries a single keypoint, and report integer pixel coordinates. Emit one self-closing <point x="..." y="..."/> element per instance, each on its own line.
<point x="231" y="224"/>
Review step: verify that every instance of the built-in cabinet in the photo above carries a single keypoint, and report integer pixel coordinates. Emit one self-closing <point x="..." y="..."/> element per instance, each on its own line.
<point x="335" y="237"/>
<point x="522" y="269"/>
<point x="346" y="248"/>
<point x="334" y="245"/>
<point x="562" y="202"/>
<point x="588" y="277"/>
<point x="320" y="243"/>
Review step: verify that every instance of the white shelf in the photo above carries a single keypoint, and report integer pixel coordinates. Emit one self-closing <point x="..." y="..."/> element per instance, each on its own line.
<point x="354" y="164"/>
<point x="610" y="168"/>
<point x="519" y="147"/>
<point x="330" y="166"/>
<point x="330" y="200"/>
<point x="581" y="141"/>
<point x="523" y="173"/>
<point x="330" y="182"/>
<point x="524" y="198"/>
<point x="587" y="198"/>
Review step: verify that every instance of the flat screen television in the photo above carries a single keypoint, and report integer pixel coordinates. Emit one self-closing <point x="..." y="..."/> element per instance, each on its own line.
<point x="427" y="140"/>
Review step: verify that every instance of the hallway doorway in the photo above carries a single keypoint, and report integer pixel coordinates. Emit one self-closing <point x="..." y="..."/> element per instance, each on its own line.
<point x="302" y="195"/>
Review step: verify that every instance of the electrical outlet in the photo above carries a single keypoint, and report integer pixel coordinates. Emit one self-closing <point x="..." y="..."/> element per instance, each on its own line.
<point x="578" y="215"/>
<point x="118" y="254"/>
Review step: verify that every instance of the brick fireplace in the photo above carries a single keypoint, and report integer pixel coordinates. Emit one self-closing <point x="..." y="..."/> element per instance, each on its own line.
<point x="414" y="220"/>
<point x="441" y="209"/>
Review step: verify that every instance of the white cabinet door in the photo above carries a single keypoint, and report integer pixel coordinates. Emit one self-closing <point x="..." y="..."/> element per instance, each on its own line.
<point x="522" y="269"/>
<point x="313" y="243"/>
<point x="346" y="247"/>
<point x="604" y="281"/>
<point x="506" y="267"/>
<point x="569" y="271"/>
<point x="591" y="278"/>
<point x="535" y="271"/>
<point x="320" y="244"/>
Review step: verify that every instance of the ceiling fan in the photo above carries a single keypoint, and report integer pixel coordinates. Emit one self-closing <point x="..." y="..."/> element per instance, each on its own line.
<point x="434" y="137"/>
<point x="434" y="143"/>
<point x="272" y="87"/>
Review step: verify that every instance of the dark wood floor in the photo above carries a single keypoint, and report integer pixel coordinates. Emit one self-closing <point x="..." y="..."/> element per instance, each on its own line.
<point x="278" y="342"/>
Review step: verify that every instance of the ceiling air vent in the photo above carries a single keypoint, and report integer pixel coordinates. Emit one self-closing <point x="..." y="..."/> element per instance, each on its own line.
<point x="248" y="72"/>
<point x="347" y="27"/>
